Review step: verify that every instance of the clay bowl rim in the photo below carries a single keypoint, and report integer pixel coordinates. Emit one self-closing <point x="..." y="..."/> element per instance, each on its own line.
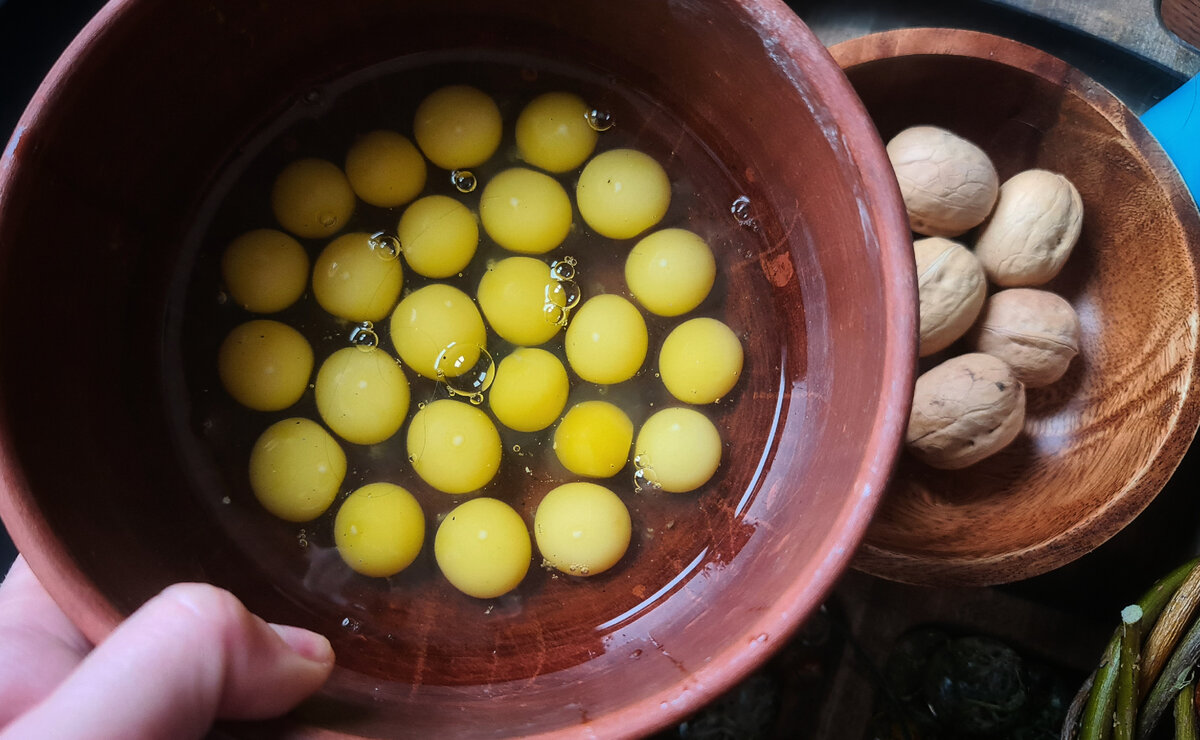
<point x="879" y="197"/>
<point x="1144" y="484"/>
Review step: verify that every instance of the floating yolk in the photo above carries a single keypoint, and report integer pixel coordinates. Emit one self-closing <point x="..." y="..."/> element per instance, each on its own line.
<point x="453" y="446"/>
<point x="356" y="280"/>
<point x="700" y="361"/>
<point x="606" y="340"/>
<point x="265" y="270"/>
<point x="312" y="198"/>
<point x="622" y="192"/>
<point x="458" y="126"/>
<point x="678" y="449"/>
<point x="385" y="169"/>
<point x="529" y="391"/>
<point x="482" y="547"/>
<point x="593" y="439"/>
<point x="296" y="468"/>
<point x="525" y="211"/>
<point x="265" y="365"/>
<point x="514" y="294"/>
<point x="379" y="529"/>
<point x="670" y="272"/>
<point x="438" y="320"/>
<point x="581" y="528"/>
<point x="553" y="132"/>
<point x="362" y="394"/>
<point x="438" y="236"/>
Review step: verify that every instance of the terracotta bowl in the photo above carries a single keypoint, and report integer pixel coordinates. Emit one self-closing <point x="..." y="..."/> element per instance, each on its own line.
<point x="101" y="186"/>
<point x="1098" y="445"/>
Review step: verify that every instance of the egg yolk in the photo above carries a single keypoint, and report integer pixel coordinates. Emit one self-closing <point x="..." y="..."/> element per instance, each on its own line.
<point x="482" y="547"/>
<point x="581" y="528"/>
<point x="356" y="280"/>
<point x="438" y="320"/>
<point x="362" y="394"/>
<point x="514" y="294"/>
<point x="379" y="530"/>
<point x="622" y="192"/>
<point x="385" y="169"/>
<point x="678" y="449"/>
<point x="525" y="211"/>
<point x="453" y="446"/>
<point x="296" y="468"/>
<point x="264" y="270"/>
<point x="438" y="236"/>
<point x="312" y="198"/>
<point x="700" y="361"/>
<point x="606" y="340"/>
<point x="529" y="390"/>
<point x="670" y="272"/>
<point x="593" y="439"/>
<point x="458" y="126"/>
<point x="265" y="364"/>
<point x="553" y="132"/>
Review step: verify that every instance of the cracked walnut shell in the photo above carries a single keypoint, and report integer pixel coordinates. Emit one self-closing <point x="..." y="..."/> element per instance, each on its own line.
<point x="948" y="184"/>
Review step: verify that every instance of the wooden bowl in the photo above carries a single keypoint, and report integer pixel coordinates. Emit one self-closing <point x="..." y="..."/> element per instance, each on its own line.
<point x="1098" y="445"/>
<point x="99" y="189"/>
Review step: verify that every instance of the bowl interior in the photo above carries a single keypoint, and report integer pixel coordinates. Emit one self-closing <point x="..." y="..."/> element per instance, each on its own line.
<point x="1098" y="445"/>
<point x="101" y="188"/>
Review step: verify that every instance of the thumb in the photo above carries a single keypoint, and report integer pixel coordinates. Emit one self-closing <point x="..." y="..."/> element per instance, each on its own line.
<point x="189" y="655"/>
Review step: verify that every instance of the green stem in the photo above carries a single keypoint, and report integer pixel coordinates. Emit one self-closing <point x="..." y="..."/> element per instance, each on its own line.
<point x="1185" y="713"/>
<point x="1125" y="716"/>
<point x="1097" y="723"/>
<point x="1174" y="675"/>
<point x="1155" y="600"/>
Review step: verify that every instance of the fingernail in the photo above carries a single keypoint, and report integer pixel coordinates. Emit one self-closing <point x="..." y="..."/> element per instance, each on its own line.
<point x="307" y="644"/>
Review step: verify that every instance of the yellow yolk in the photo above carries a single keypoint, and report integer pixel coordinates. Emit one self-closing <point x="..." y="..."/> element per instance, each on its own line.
<point x="362" y="394"/>
<point x="296" y="468"/>
<point x="482" y="547"/>
<point x="312" y="198"/>
<point x="678" y="449"/>
<point x="264" y="270"/>
<point x="606" y="340"/>
<point x="438" y="236"/>
<point x="513" y="294"/>
<point x="379" y="530"/>
<point x="453" y="446"/>
<point x="355" y="280"/>
<point x="700" y="361"/>
<point x="593" y="439"/>
<point x="581" y="528"/>
<point x="553" y="132"/>
<point x="529" y="391"/>
<point x="670" y="272"/>
<point x="458" y="126"/>
<point x="525" y="211"/>
<point x="622" y="192"/>
<point x="385" y="169"/>
<point x="438" y="320"/>
<point x="265" y="365"/>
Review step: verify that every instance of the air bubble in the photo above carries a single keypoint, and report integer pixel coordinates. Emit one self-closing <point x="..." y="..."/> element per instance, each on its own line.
<point x="364" y="337"/>
<point x="226" y="500"/>
<point x="464" y="181"/>
<point x="644" y="478"/>
<point x="327" y="219"/>
<point x="222" y="298"/>
<point x="352" y="625"/>
<point x="599" y="119"/>
<point x="563" y="294"/>
<point x="386" y="246"/>
<point x="564" y="269"/>
<point x="302" y="539"/>
<point x="517" y="449"/>
<point x="470" y="384"/>
<point x="742" y="211"/>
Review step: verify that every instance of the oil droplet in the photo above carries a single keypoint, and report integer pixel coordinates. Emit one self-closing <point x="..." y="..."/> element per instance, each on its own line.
<point x="474" y="381"/>
<point x="352" y="625"/>
<point x="599" y="119"/>
<point x="464" y="181"/>
<point x="364" y="337"/>
<point x="385" y="246"/>
<point x="741" y="210"/>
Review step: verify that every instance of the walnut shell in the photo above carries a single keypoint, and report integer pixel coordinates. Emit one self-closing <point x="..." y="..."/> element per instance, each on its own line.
<point x="1035" y="331"/>
<point x="949" y="185"/>
<point x="952" y="288"/>
<point x="965" y="409"/>
<point x="1031" y="233"/>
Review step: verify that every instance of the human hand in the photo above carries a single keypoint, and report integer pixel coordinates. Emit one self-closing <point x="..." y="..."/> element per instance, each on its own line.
<point x="188" y="656"/>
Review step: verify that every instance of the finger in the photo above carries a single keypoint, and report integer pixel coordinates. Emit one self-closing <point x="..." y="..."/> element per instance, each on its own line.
<point x="39" y="646"/>
<point x="189" y="655"/>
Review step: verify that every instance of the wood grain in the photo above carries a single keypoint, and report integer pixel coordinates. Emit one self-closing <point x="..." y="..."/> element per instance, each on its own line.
<point x="1099" y="444"/>
<point x="1182" y="18"/>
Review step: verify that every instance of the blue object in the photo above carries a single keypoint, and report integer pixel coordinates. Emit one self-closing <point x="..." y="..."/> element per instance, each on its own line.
<point x="1175" y="122"/>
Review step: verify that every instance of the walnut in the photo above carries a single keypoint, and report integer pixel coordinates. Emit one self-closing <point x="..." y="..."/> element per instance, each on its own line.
<point x="952" y="288"/>
<point x="1031" y="233"/>
<point x="949" y="185"/>
<point x="1035" y="331"/>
